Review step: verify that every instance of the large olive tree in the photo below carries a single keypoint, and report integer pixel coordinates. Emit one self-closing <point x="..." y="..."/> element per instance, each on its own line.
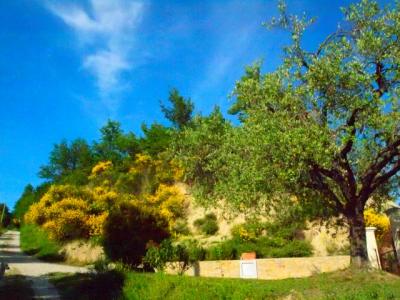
<point x="324" y="127"/>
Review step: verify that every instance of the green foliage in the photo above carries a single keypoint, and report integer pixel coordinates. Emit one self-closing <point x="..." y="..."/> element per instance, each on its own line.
<point x="69" y="163"/>
<point x="35" y="241"/>
<point x="207" y="225"/>
<point x="323" y="127"/>
<point x="131" y="285"/>
<point x="185" y="254"/>
<point x="276" y="239"/>
<point x="265" y="247"/>
<point x="157" y="139"/>
<point x="29" y="196"/>
<point x="198" y="150"/>
<point x="115" y="145"/>
<point x="338" y="285"/>
<point x="180" y="114"/>
<point x="129" y="230"/>
<point x="181" y="227"/>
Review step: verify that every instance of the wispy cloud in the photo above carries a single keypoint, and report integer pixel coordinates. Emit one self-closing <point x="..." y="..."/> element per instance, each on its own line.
<point x="106" y="30"/>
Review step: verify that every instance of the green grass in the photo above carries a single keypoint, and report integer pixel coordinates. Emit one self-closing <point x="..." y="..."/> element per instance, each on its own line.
<point x="15" y="287"/>
<point x="35" y="241"/>
<point x="339" y="285"/>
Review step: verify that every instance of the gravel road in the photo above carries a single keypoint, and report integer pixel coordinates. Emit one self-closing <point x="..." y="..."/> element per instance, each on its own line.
<point x="34" y="269"/>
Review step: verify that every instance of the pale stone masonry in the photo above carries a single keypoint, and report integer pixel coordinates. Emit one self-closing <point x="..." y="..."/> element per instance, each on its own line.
<point x="270" y="268"/>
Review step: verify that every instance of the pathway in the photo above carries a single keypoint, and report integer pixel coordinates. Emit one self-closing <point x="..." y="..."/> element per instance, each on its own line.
<point x="34" y="269"/>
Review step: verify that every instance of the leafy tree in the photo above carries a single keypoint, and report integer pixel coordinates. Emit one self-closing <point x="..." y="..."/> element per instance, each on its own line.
<point x="198" y="149"/>
<point x="180" y="114"/>
<point x="114" y="144"/>
<point x="156" y="138"/>
<point x="69" y="163"/>
<point x="29" y="196"/>
<point x="324" y="128"/>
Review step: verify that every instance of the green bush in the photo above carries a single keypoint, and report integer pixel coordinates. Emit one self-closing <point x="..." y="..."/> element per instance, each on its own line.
<point x="36" y="241"/>
<point x="187" y="253"/>
<point x="128" y="232"/>
<point x="207" y="225"/>
<point x="264" y="247"/>
<point x="181" y="227"/>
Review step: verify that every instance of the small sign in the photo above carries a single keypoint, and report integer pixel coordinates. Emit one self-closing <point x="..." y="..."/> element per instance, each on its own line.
<point x="248" y="269"/>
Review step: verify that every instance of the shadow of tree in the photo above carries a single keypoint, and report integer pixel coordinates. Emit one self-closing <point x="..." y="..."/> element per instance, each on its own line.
<point x="15" y="287"/>
<point x="105" y="285"/>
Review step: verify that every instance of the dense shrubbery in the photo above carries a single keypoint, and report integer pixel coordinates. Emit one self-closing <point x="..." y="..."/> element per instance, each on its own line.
<point x="186" y="253"/>
<point x="71" y="212"/>
<point x="207" y="225"/>
<point x="129" y="230"/>
<point x="264" y="247"/>
<point x="266" y="239"/>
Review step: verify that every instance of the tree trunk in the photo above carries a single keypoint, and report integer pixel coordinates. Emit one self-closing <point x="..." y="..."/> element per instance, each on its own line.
<point x="358" y="241"/>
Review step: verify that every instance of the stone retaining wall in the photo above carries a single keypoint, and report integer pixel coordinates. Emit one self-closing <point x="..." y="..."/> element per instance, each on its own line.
<point x="269" y="268"/>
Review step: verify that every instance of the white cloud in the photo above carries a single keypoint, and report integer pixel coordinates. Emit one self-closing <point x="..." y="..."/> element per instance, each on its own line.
<point x="107" y="30"/>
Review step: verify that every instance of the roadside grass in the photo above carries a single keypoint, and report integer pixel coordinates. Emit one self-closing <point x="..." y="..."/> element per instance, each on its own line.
<point x="89" y="286"/>
<point x="3" y="230"/>
<point x="35" y="241"/>
<point x="15" y="287"/>
<point x="349" y="284"/>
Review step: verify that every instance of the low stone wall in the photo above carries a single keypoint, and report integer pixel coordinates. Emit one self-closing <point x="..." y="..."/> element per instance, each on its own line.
<point x="269" y="268"/>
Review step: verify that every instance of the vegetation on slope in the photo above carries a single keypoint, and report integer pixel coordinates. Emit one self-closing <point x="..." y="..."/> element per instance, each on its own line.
<point x="35" y="241"/>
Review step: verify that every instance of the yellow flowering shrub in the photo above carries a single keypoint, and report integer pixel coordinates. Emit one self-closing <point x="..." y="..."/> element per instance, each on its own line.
<point x="69" y="224"/>
<point x="95" y="224"/>
<point x="35" y="214"/>
<point x="380" y="221"/>
<point x="101" y="167"/>
<point x="56" y="210"/>
<point x="170" y="203"/>
<point x="69" y="213"/>
<point x="243" y="233"/>
<point x="103" y="199"/>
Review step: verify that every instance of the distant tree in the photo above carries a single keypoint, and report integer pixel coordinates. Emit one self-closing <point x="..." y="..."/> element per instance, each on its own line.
<point x="181" y="110"/>
<point x="156" y="138"/>
<point x="5" y="214"/>
<point x="69" y="163"/>
<point x="324" y="127"/>
<point x="114" y="144"/>
<point x="29" y="196"/>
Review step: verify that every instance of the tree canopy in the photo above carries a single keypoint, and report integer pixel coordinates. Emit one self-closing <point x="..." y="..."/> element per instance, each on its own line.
<point x="180" y="113"/>
<point x="323" y="127"/>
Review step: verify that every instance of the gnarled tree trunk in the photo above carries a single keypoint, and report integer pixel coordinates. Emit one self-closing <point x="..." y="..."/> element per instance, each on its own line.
<point x="358" y="241"/>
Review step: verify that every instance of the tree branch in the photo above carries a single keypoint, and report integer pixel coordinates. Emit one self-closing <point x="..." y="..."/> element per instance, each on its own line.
<point x="350" y="123"/>
<point x="382" y="160"/>
<point x="386" y="176"/>
<point x="317" y="182"/>
<point x="380" y="79"/>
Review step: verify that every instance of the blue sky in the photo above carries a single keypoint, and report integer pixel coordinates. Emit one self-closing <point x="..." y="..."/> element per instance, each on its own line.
<point x="68" y="66"/>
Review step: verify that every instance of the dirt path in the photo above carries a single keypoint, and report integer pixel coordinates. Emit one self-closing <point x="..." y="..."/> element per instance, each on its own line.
<point x="31" y="267"/>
